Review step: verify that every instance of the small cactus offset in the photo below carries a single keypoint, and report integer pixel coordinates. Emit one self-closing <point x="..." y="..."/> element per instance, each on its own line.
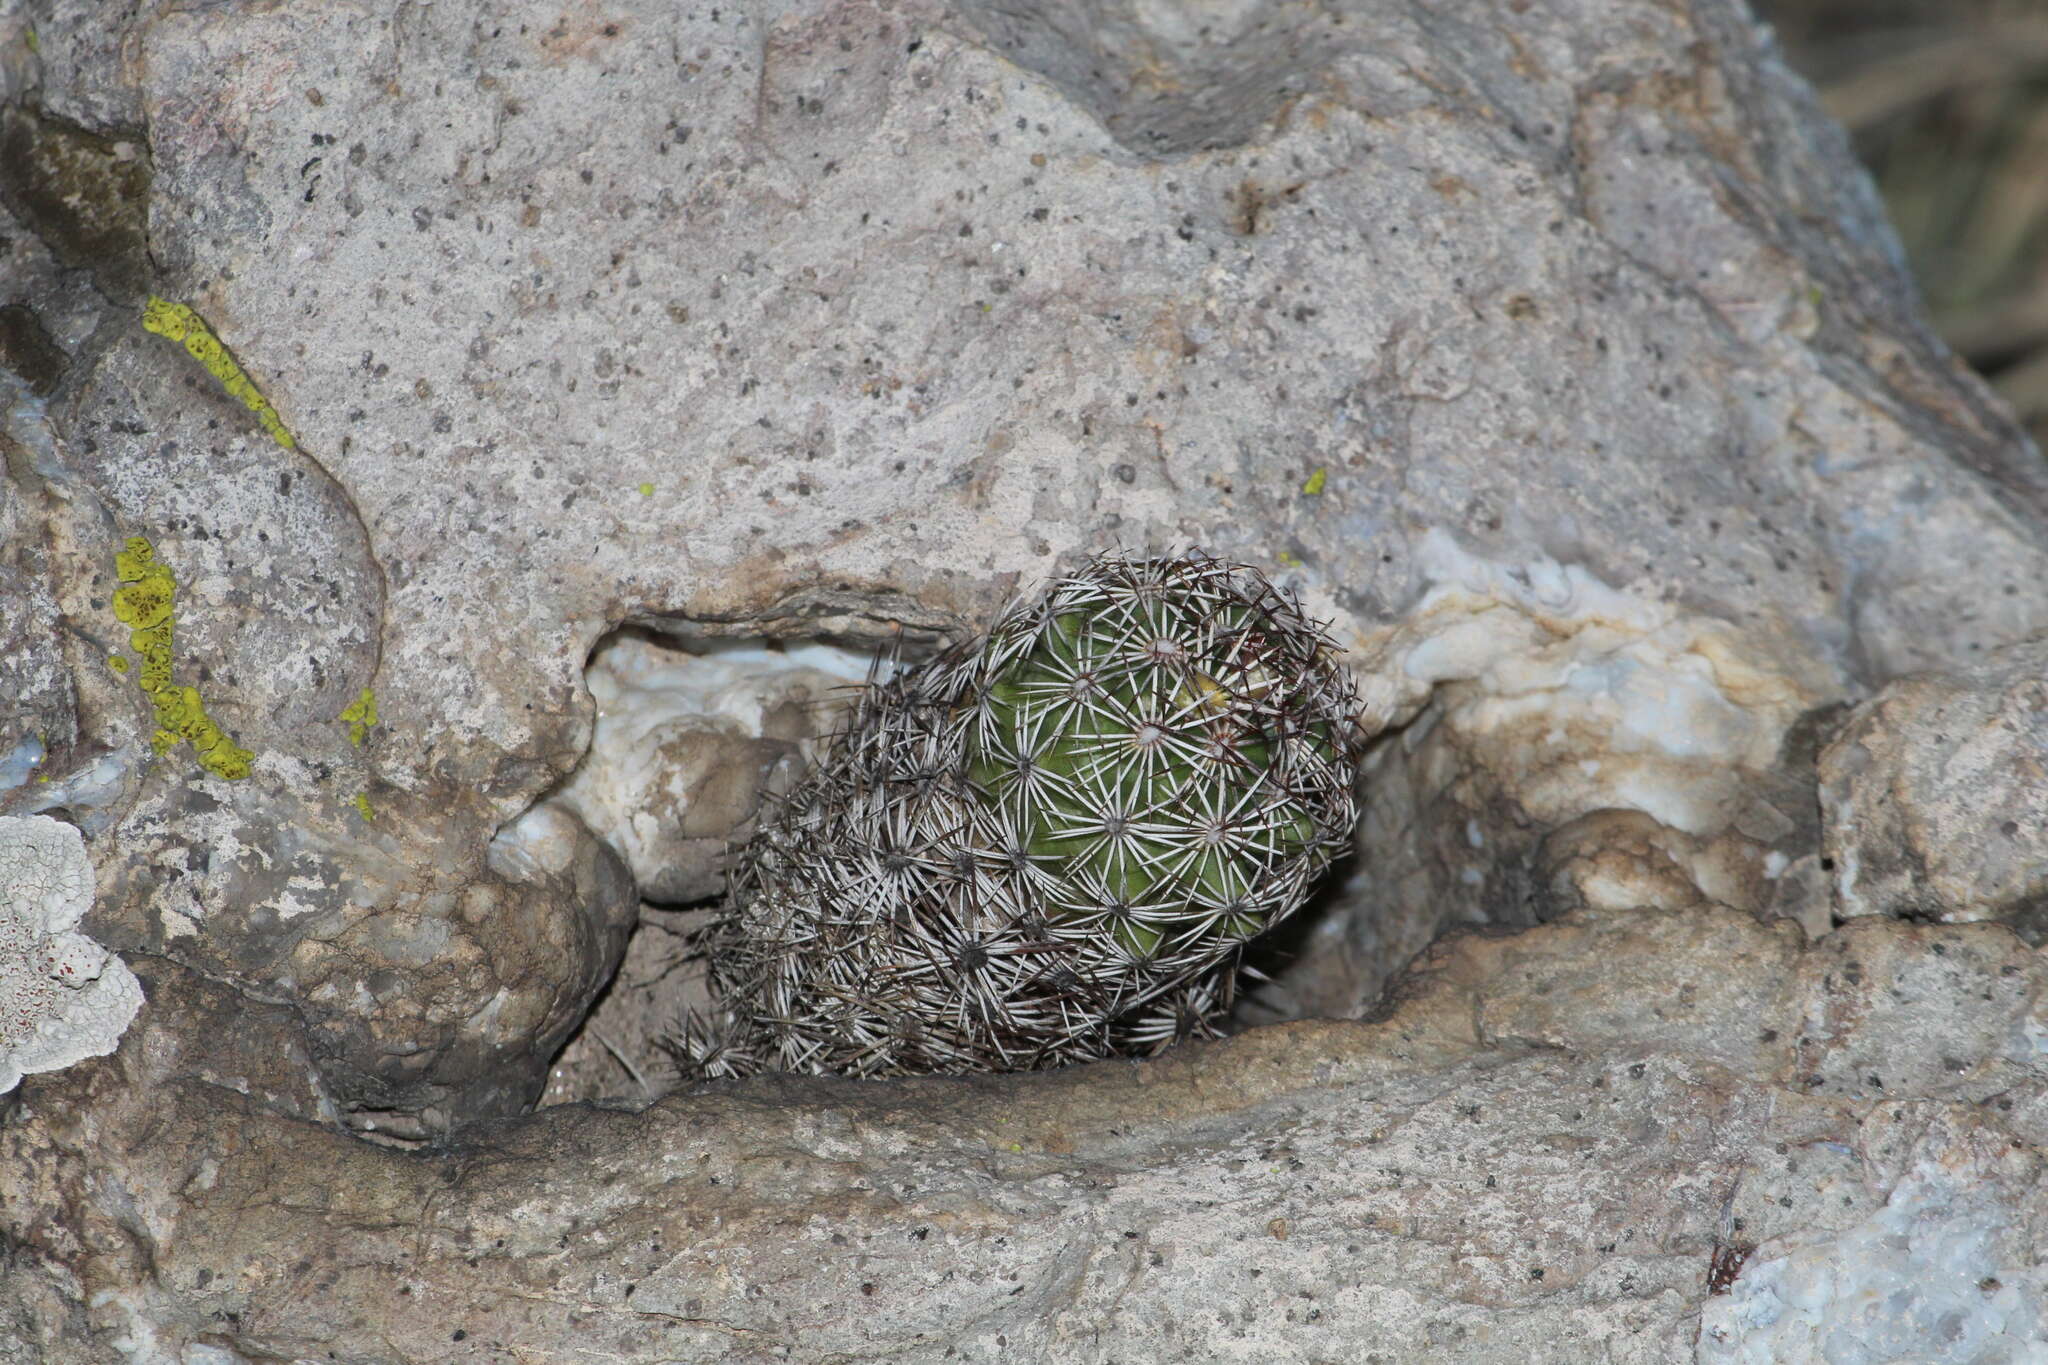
<point x="1046" y="846"/>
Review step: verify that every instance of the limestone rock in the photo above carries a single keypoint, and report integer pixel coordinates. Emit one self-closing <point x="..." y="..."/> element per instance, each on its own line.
<point x="63" y="997"/>
<point x="1509" y="1165"/>
<point x="1561" y="358"/>
<point x="1936" y="795"/>
<point x="688" y="743"/>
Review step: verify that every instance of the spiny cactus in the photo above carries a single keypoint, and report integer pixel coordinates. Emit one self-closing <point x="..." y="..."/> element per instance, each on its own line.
<point x="1046" y="846"/>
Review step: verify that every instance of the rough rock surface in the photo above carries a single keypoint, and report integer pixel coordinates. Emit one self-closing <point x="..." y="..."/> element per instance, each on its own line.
<point x="1936" y="795"/>
<point x="63" y="998"/>
<point x="1517" y="1163"/>
<point x="1558" y="355"/>
<point x="687" y="746"/>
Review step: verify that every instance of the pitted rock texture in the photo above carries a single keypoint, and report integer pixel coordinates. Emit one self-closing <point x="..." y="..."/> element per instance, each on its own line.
<point x="1559" y="356"/>
<point x="1936" y="795"/>
<point x="1516" y="1163"/>
<point x="1582" y="330"/>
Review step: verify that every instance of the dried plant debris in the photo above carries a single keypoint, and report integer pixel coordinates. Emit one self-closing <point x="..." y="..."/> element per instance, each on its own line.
<point x="1947" y="101"/>
<point x="1046" y="846"/>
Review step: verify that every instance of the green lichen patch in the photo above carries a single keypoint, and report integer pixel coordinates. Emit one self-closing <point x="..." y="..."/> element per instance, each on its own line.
<point x="360" y="715"/>
<point x="146" y="603"/>
<point x="180" y="323"/>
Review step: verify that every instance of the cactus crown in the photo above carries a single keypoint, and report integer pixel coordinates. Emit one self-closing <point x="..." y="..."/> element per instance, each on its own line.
<point x="1045" y="846"/>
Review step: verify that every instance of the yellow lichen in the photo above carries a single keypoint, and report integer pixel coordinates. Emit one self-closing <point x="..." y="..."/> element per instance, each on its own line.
<point x="180" y="323"/>
<point x="225" y="760"/>
<point x="362" y="804"/>
<point x="360" y="714"/>
<point x="156" y="672"/>
<point x="134" y="559"/>
<point x="1315" y="482"/>
<point x="146" y="602"/>
<point x="118" y="662"/>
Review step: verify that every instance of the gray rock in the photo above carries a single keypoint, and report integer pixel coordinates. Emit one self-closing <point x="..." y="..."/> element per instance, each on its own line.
<point x="1936" y="795"/>
<point x="63" y="998"/>
<point x="1510" y="1165"/>
<point x="689" y="742"/>
<point x="1562" y="359"/>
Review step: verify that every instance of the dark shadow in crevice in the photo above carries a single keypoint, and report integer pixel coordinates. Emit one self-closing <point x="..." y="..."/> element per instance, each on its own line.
<point x="695" y="728"/>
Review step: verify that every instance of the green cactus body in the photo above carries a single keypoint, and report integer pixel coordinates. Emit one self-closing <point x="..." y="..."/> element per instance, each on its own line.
<point x="1045" y="846"/>
<point x="1129" y="732"/>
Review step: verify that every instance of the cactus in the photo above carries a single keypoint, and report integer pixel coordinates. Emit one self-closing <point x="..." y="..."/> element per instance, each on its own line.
<point x="1046" y="846"/>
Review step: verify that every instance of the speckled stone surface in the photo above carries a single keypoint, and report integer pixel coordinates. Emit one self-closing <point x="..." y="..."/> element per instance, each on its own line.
<point x="1936" y="795"/>
<point x="1513" y="1164"/>
<point x="1559" y="356"/>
